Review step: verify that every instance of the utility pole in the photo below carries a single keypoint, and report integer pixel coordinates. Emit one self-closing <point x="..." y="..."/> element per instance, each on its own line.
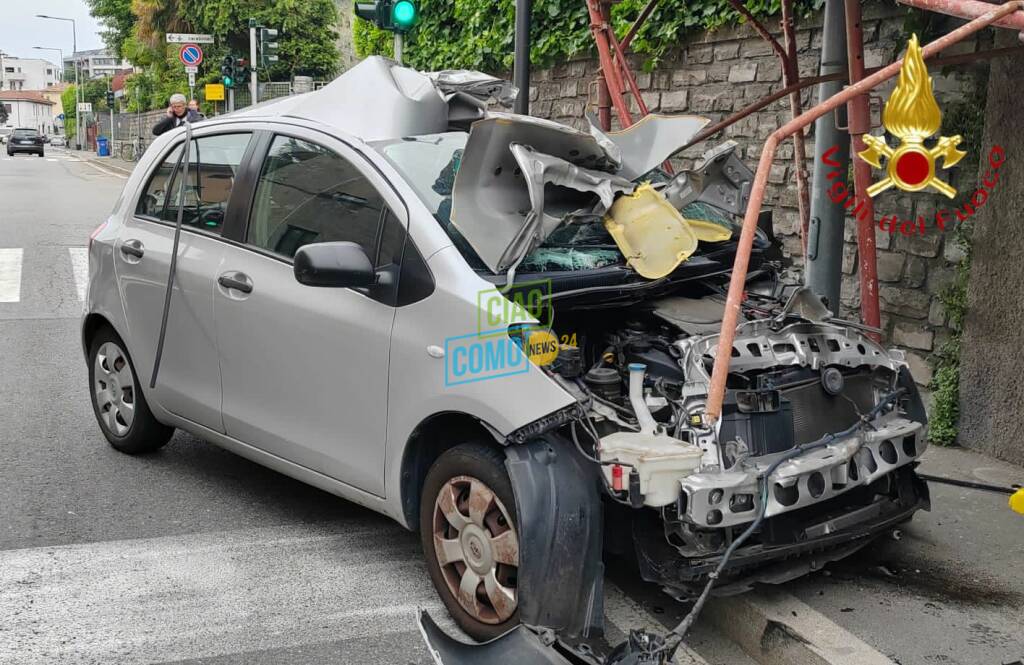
<point x="399" y="43"/>
<point x="78" y="86"/>
<point x="253" y="82"/>
<point x="521" y="58"/>
<point x="824" y="271"/>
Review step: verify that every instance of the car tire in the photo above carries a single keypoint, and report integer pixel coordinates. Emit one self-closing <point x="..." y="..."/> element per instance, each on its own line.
<point x="476" y="548"/>
<point x="117" y="399"/>
<point x="39" y="154"/>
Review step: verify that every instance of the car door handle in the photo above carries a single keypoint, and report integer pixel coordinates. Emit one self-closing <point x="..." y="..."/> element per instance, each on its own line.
<point x="235" y="280"/>
<point x="132" y="248"/>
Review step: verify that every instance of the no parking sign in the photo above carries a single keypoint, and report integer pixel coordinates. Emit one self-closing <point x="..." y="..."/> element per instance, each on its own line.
<point x="190" y="55"/>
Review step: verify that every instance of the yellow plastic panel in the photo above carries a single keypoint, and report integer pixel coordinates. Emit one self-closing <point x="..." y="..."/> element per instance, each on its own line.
<point x="650" y="232"/>
<point x="708" y="231"/>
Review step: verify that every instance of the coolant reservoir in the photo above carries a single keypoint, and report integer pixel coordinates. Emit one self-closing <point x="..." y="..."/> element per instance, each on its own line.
<point x="659" y="459"/>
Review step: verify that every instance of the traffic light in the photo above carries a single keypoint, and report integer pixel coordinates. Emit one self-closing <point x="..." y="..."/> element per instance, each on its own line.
<point x="268" y="47"/>
<point x="227" y="71"/>
<point x="392" y="15"/>
<point x="110" y="99"/>
<point x="404" y="15"/>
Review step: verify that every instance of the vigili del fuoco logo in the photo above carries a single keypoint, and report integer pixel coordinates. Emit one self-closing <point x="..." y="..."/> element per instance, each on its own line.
<point x="912" y="115"/>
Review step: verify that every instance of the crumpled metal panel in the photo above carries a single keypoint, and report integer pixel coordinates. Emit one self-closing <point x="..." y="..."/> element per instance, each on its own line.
<point x="520" y="645"/>
<point x="491" y="199"/>
<point x="561" y="575"/>
<point x="375" y="100"/>
<point x="650" y="141"/>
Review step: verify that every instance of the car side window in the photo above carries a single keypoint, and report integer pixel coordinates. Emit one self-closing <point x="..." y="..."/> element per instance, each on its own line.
<point x="214" y="162"/>
<point x="308" y="194"/>
<point x="154" y="197"/>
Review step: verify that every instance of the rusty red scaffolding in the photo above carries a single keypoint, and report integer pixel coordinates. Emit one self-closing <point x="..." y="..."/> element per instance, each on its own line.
<point x="617" y="81"/>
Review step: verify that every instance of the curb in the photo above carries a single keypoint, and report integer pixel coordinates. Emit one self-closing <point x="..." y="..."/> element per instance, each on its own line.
<point x="105" y="163"/>
<point x="774" y="628"/>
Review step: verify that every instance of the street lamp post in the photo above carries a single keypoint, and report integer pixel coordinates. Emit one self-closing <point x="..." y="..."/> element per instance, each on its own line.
<point x="78" y="87"/>
<point x="60" y="78"/>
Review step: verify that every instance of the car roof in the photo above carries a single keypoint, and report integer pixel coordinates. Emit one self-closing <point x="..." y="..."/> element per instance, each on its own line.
<point x="375" y="100"/>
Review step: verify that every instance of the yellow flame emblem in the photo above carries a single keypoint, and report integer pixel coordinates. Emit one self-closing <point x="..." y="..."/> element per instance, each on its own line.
<point x="912" y="115"/>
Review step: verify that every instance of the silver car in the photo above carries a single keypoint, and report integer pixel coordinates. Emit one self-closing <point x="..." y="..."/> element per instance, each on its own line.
<point x="392" y="292"/>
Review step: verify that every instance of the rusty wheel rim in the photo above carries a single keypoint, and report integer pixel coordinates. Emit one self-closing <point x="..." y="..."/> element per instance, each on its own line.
<point x="477" y="549"/>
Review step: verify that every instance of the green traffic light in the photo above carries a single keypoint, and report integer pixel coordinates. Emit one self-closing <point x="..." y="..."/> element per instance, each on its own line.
<point x="228" y="82"/>
<point x="403" y="14"/>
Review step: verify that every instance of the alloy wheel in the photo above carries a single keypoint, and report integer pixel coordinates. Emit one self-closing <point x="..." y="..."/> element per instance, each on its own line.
<point x="114" y="387"/>
<point x="477" y="548"/>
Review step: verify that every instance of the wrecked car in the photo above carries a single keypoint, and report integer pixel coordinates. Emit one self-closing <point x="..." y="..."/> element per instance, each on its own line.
<point x="327" y="321"/>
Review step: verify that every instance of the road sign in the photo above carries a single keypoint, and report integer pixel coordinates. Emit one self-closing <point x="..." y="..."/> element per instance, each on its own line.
<point x="85" y="107"/>
<point x="214" y="92"/>
<point x="187" y="38"/>
<point x="60" y="117"/>
<point x="191" y="69"/>
<point x="190" y="55"/>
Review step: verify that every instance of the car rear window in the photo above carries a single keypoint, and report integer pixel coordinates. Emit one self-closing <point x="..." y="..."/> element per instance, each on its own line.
<point x="25" y="133"/>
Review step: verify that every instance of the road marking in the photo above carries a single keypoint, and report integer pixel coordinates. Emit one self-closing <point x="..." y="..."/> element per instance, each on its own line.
<point x="212" y="594"/>
<point x="80" y="268"/>
<point x="51" y="159"/>
<point x="10" y="275"/>
<point x="103" y="170"/>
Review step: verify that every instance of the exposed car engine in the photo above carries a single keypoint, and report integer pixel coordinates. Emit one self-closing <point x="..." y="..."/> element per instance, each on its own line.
<point x="796" y="376"/>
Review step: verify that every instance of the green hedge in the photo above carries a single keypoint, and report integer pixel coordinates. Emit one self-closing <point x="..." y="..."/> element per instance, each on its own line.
<point x="478" y="34"/>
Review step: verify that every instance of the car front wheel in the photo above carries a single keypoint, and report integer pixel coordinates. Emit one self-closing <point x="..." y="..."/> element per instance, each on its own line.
<point x="117" y="399"/>
<point x="470" y="537"/>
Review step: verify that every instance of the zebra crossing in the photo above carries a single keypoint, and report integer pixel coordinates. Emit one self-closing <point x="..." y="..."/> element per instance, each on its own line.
<point x="43" y="279"/>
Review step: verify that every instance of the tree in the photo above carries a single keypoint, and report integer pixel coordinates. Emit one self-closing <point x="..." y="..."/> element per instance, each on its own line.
<point x="117" y="18"/>
<point x="137" y="28"/>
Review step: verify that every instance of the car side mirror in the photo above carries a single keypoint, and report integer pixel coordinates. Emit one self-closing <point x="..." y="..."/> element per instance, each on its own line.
<point x="337" y="264"/>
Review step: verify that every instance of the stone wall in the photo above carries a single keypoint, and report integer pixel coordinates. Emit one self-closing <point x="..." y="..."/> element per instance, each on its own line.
<point x="714" y="74"/>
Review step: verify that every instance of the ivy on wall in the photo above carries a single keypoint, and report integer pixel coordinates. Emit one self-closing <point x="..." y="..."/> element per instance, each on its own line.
<point x="968" y="120"/>
<point x="478" y="34"/>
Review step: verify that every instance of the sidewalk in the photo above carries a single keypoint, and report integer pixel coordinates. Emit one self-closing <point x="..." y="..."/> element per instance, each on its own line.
<point x="950" y="590"/>
<point x="112" y="163"/>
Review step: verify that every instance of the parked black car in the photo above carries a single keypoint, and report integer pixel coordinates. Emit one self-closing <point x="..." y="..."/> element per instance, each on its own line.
<point x="25" y="140"/>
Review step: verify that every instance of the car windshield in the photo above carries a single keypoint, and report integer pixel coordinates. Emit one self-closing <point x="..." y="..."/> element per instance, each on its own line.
<point x="429" y="164"/>
<point x="25" y="133"/>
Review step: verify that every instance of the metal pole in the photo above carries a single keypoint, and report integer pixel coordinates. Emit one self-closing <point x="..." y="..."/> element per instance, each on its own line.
<point x="792" y="75"/>
<point x="738" y="277"/>
<point x="521" y="60"/>
<point x="860" y="124"/>
<point x="253" y="84"/>
<point x="824" y="272"/>
<point x="231" y="100"/>
<point x="399" y="44"/>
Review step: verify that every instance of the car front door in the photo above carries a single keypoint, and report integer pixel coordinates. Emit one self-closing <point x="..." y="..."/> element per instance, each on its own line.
<point x="189" y="379"/>
<point x="305" y="369"/>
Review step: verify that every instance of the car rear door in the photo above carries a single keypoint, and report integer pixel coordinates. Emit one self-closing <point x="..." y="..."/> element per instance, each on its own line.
<point x="189" y="380"/>
<point x="305" y="369"/>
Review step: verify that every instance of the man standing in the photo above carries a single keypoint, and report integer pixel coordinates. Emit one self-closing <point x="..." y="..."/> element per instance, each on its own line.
<point x="177" y="114"/>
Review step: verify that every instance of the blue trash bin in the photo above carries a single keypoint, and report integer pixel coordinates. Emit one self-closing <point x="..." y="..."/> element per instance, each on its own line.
<point x="102" y="146"/>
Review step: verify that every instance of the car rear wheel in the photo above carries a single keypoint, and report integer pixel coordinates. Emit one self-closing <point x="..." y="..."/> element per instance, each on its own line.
<point x="470" y="537"/>
<point x="117" y="400"/>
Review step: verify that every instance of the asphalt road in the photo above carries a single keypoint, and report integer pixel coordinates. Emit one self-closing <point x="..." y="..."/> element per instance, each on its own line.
<point x="190" y="555"/>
